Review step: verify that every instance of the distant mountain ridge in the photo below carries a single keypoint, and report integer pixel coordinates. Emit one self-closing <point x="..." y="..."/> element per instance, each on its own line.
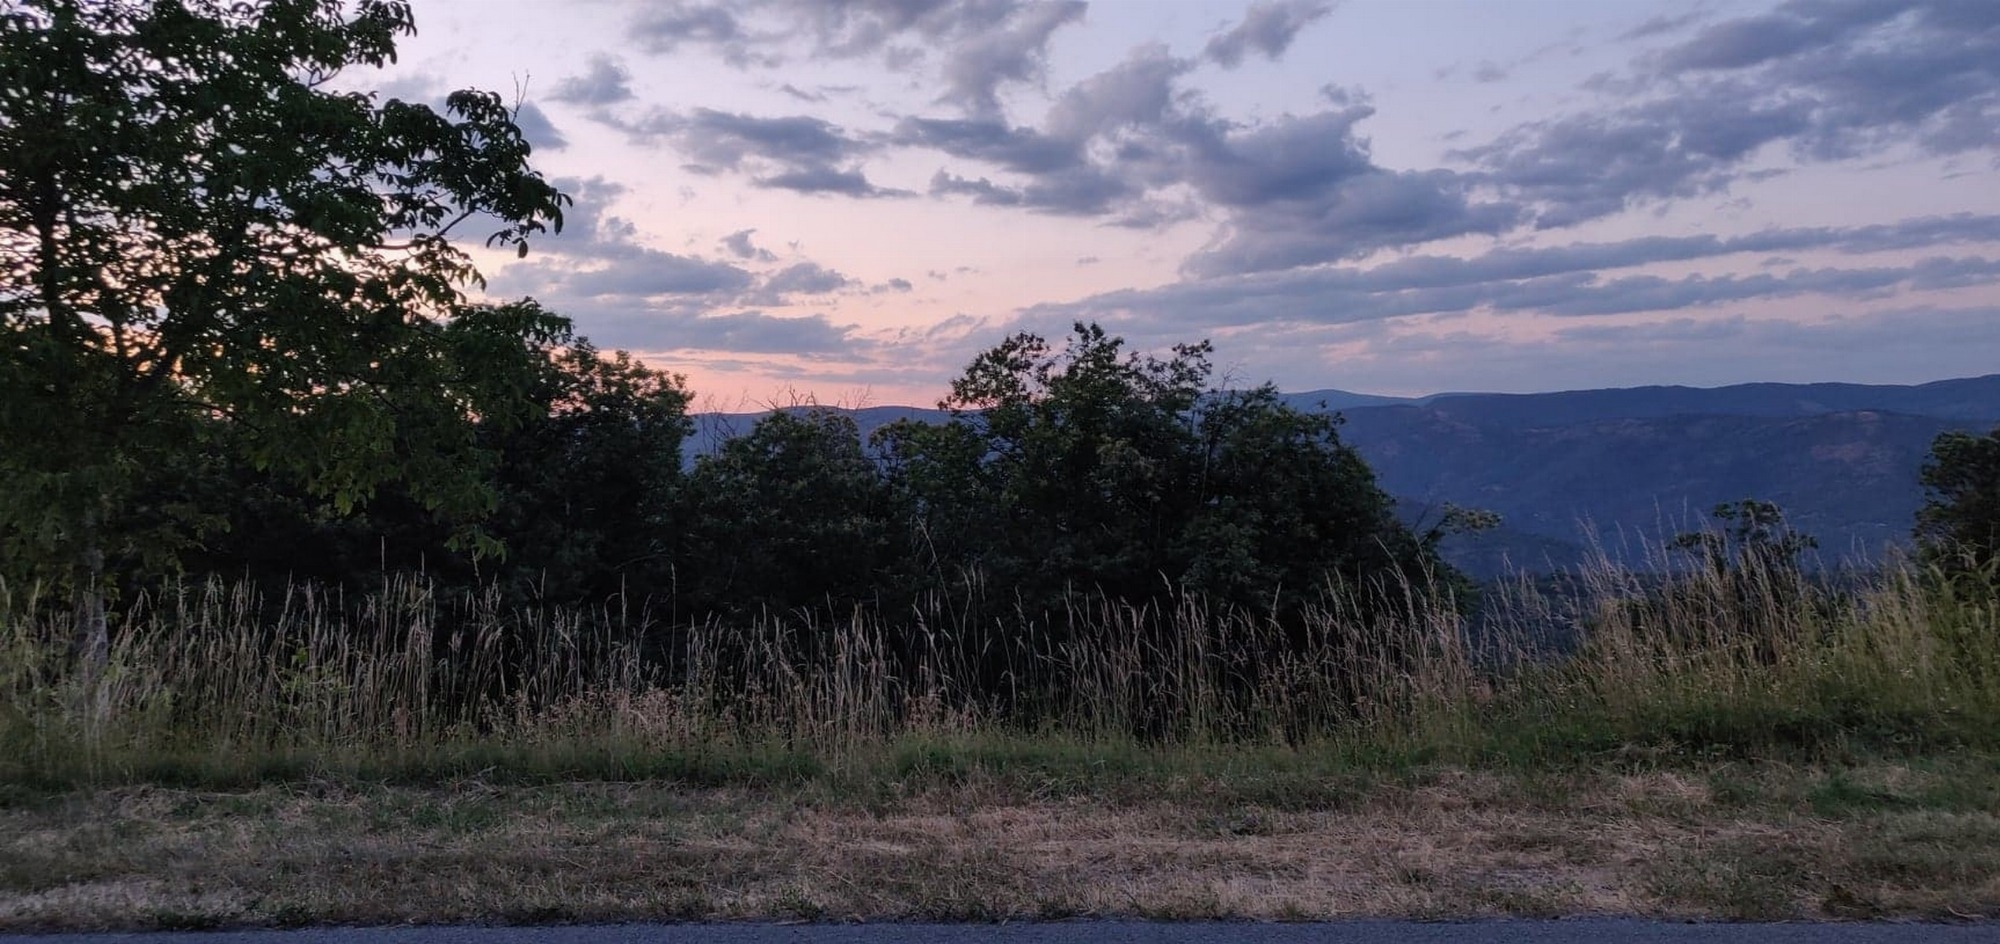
<point x="1625" y="468"/>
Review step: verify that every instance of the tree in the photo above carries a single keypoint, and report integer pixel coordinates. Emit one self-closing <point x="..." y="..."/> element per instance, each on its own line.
<point x="1960" y="517"/>
<point x="194" y="226"/>
<point x="584" y="474"/>
<point x="1086" y="474"/>
<point x="588" y="484"/>
<point x="792" y="513"/>
<point x="1753" y="537"/>
<point x="1094" y="469"/>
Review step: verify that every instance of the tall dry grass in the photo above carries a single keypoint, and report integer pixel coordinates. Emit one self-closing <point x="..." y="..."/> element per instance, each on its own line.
<point x="1754" y="659"/>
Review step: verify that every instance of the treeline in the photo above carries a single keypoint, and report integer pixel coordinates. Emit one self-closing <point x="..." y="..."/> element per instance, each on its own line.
<point x="1064" y="470"/>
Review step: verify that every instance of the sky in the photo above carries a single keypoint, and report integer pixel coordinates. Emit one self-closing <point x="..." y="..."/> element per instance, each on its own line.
<point x="843" y="201"/>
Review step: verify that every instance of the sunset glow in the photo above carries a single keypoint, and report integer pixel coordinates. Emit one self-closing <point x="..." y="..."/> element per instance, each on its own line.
<point x="786" y="199"/>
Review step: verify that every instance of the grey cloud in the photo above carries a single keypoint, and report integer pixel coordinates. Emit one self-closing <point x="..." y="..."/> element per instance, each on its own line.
<point x="670" y="328"/>
<point x="724" y="139"/>
<point x="1269" y="28"/>
<point x="755" y="332"/>
<point x="589" y="231"/>
<point x="1586" y="166"/>
<point x="1560" y="281"/>
<point x="1023" y="150"/>
<point x="851" y="28"/>
<point x="896" y="285"/>
<point x="606" y="82"/>
<point x="1512" y="264"/>
<point x="664" y="26"/>
<point x="1360" y="215"/>
<point x="598" y="254"/>
<point x="1012" y="52"/>
<point x="1286" y="159"/>
<point x="1080" y="191"/>
<point x="1298" y="190"/>
<point x="1083" y="191"/>
<point x="981" y="191"/>
<point x="1826" y="79"/>
<point x="801" y="94"/>
<point x="1661" y="25"/>
<point x="796" y="152"/>
<point x="1906" y="345"/>
<point x="643" y="271"/>
<point x="538" y="129"/>
<point x="980" y="44"/>
<point x="739" y="245"/>
<point x="1137" y="92"/>
<point x="849" y="183"/>
<point x="1795" y="28"/>
<point x="805" y="278"/>
<point x="1588" y="295"/>
<point x="1304" y="191"/>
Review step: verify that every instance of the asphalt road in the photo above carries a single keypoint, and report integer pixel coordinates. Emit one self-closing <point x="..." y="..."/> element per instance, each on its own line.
<point x="1575" y="931"/>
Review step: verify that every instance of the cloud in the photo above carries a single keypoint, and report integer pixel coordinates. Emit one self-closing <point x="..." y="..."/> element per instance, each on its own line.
<point x="1661" y="25"/>
<point x="1023" y="150"/>
<point x="606" y="82"/>
<point x="665" y="26"/>
<point x="1131" y="146"/>
<point x="643" y="271"/>
<point x="794" y="152"/>
<point x="720" y="139"/>
<point x="1903" y="345"/>
<point x="739" y="245"/>
<point x="1350" y="219"/>
<point x="669" y="329"/>
<point x="599" y="255"/>
<point x="805" y="278"/>
<point x="756" y="332"/>
<point x="1303" y="190"/>
<point x="1579" y="280"/>
<point x="625" y="294"/>
<point x="1136" y="93"/>
<point x="856" y="28"/>
<point x="982" y="191"/>
<point x="821" y="179"/>
<point x="978" y="45"/>
<point x="1269" y="28"/>
<point x="1505" y="264"/>
<point x="1825" y="80"/>
<point x="1015" y="51"/>
<point x="538" y="129"/>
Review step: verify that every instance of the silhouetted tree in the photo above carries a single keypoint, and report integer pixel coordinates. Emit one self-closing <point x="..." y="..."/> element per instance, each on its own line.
<point x="1960" y="519"/>
<point x="194" y="224"/>
<point x="792" y="513"/>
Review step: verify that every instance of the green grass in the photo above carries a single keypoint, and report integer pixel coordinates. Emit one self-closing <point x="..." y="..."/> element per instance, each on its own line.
<point x="211" y="687"/>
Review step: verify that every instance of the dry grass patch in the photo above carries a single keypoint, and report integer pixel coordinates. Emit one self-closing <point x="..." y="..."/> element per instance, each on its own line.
<point x="1445" y="843"/>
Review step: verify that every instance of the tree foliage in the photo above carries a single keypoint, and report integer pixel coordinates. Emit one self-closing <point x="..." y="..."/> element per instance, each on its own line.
<point x="791" y="513"/>
<point x="1750" y="536"/>
<point x="584" y="471"/>
<point x="1960" y="517"/>
<point x="194" y="225"/>
<point x="1095" y="469"/>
